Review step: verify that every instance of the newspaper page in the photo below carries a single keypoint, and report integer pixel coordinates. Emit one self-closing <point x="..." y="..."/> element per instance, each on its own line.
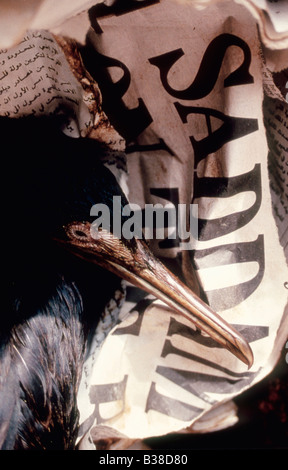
<point x="183" y="87"/>
<point x="276" y="122"/>
<point x="191" y="114"/>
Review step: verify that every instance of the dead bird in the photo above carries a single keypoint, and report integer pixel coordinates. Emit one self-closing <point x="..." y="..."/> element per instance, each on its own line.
<point x="59" y="273"/>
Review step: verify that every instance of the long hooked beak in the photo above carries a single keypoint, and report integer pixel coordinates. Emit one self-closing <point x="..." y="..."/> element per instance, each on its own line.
<point x="133" y="261"/>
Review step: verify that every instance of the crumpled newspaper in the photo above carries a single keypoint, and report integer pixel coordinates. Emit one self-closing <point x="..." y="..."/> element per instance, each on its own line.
<point x="199" y="138"/>
<point x="17" y="17"/>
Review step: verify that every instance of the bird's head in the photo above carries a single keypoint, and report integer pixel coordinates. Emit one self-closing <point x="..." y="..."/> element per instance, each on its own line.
<point x="55" y="187"/>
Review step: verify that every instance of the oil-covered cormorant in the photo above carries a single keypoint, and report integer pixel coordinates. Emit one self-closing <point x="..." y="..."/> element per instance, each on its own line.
<point x="56" y="278"/>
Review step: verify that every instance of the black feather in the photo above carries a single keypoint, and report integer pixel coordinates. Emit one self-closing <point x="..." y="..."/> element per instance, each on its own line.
<point x="51" y="300"/>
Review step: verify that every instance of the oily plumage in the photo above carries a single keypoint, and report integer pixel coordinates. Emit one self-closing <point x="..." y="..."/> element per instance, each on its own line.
<point x="51" y="300"/>
<point x="44" y="357"/>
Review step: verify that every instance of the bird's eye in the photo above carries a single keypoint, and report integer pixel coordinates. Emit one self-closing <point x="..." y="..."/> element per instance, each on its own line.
<point x="80" y="234"/>
<point x="79" y="231"/>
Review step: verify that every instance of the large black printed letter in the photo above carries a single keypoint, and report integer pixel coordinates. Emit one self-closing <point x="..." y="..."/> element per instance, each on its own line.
<point x="129" y="122"/>
<point x="245" y="252"/>
<point x="232" y="128"/>
<point x="209" y="69"/>
<point x="226" y="187"/>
